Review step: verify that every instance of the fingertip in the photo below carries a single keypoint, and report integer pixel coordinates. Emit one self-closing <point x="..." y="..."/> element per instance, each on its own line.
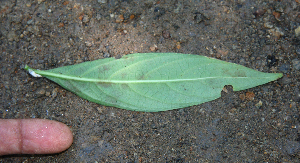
<point x="41" y="136"/>
<point x="33" y="136"/>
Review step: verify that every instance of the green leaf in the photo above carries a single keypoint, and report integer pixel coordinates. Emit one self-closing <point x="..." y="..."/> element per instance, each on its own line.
<point x="153" y="82"/>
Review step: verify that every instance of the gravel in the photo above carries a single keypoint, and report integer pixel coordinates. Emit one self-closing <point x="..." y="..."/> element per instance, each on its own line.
<point x="257" y="34"/>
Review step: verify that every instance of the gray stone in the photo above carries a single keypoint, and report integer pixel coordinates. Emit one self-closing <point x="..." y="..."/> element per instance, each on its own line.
<point x="285" y="80"/>
<point x="296" y="64"/>
<point x="30" y="22"/>
<point x="12" y="36"/>
<point x="106" y="55"/>
<point x="85" y="19"/>
<point x="292" y="147"/>
<point x="101" y="1"/>
<point x="284" y="68"/>
<point x="298" y="51"/>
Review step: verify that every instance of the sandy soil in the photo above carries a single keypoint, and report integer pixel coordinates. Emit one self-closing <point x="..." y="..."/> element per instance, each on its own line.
<point x="257" y="125"/>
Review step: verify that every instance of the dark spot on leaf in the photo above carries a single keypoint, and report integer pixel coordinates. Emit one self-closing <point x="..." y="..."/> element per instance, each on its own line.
<point x="240" y="74"/>
<point x="104" y="68"/>
<point x="124" y="75"/>
<point x="142" y="77"/>
<point x="124" y="86"/>
<point x="235" y="73"/>
<point x="104" y="84"/>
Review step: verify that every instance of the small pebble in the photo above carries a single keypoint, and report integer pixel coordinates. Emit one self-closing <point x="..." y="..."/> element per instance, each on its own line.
<point x="265" y="89"/>
<point x="12" y="36"/>
<point x="284" y="68"/>
<point x="119" y="19"/>
<point x="271" y="60"/>
<point x="80" y="17"/>
<point x="285" y="80"/>
<point x="41" y="91"/>
<point x="297" y="31"/>
<point x="276" y="32"/>
<point x="153" y="48"/>
<point x="296" y="64"/>
<point x="101" y="1"/>
<point x="54" y="92"/>
<point x="198" y="17"/>
<point x="178" y="46"/>
<point x="291" y="147"/>
<point x="192" y="34"/>
<point x="297" y="94"/>
<point x="277" y="16"/>
<point x="242" y="97"/>
<point x="166" y="34"/>
<point x="61" y="24"/>
<point x="106" y="55"/>
<point x="278" y="8"/>
<point x="17" y="18"/>
<point x="30" y="22"/>
<point x="48" y="93"/>
<point x="100" y="110"/>
<point x="250" y="96"/>
<point x="298" y="51"/>
<point x="242" y="61"/>
<point x="88" y="43"/>
<point x="259" y="13"/>
<point x="66" y="3"/>
<point x="85" y="19"/>
<point x="98" y="17"/>
<point x="131" y="16"/>
<point x="268" y="25"/>
<point x="40" y="1"/>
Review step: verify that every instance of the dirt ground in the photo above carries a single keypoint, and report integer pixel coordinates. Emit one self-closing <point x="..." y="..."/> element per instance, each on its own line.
<point x="261" y="124"/>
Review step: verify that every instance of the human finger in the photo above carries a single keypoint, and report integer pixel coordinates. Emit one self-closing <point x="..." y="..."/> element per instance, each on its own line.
<point x="33" y="136"/>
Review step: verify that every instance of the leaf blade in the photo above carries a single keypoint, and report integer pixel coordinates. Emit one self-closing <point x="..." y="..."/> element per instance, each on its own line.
<point x="155" y="81"/>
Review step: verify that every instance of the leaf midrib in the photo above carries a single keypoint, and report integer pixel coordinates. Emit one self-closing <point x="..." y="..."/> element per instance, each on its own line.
<point x="135" y="81"/>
